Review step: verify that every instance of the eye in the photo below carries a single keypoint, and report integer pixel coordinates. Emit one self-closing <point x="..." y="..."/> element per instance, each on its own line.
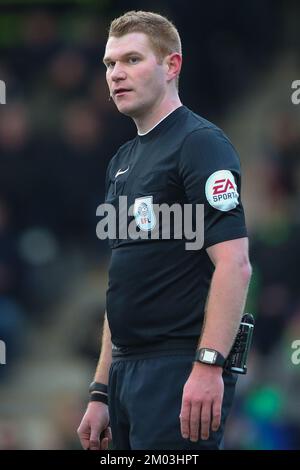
<point x="134" y="60"/>
<point x="109" y="65"/>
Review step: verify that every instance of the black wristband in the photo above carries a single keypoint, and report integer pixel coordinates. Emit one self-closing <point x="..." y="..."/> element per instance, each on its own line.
<point x="98" y="392"/>
<point x="99" y="397"/>
<point x="98" y="387"/>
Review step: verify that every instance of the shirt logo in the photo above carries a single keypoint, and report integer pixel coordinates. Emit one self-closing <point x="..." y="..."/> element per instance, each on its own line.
<point x="144" y="214"/>
<point x="221" y="186"/>
<point x="120" y="172"/>
<point x="221" y="191"/>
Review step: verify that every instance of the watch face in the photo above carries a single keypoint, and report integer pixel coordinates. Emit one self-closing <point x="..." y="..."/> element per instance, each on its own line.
<point x="208" y="356"/>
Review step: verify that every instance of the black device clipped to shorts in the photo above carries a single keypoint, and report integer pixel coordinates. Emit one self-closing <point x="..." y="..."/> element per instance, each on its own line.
<point x="237" y="358"/>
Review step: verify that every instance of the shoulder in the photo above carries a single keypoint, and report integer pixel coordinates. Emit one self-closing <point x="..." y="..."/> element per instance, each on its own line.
<point x="193" y="122"/>
<point x="202" y="131"/>
<point x="208" y="145"/>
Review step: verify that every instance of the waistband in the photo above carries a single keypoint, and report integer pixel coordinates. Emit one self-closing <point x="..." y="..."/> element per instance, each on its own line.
<point x="171" y="345"/>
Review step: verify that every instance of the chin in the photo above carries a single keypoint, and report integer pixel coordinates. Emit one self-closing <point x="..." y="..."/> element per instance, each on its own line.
<point x="128" y="110"/>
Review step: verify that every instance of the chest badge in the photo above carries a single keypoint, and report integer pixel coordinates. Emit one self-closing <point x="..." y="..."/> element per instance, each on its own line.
<point x="144" y="213"/>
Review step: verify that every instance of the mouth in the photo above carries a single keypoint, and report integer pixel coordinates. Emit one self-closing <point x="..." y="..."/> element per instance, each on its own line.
<point x="121" y="91"/>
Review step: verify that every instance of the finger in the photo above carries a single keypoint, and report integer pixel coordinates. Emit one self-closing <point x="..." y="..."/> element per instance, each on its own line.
<point x="195" y="422"/>
<point x="95" y="440"/>
<point x="84" y="439"/>
<point x="185" y="419"/>
<point x="105" y="438"/>
<point x="216" y="415"/>
<point x="104" y="444"/>
<point x="94" y="444"/>
<point x="109" y="435"/>
<point x="205" y="420"/>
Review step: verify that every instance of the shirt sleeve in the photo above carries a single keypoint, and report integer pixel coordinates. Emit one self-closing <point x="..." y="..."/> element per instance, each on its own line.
<point x="209" y="168"/>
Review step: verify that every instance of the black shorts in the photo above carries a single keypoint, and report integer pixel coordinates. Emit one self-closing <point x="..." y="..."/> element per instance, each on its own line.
<point x="145" y="395"/>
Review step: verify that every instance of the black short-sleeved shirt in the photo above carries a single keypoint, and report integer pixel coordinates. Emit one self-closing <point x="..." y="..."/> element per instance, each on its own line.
<point x="157" y="288"/>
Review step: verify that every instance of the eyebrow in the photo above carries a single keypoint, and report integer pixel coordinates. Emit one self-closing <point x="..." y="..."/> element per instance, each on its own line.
<point x="108" y="59"/>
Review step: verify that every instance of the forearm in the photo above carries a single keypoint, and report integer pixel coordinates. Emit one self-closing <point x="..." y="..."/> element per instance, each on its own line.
<point x="104" y="363"/>
<point x="225" y="306"/>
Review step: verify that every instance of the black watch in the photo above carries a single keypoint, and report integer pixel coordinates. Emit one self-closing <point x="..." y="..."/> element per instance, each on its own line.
<point x="210" y="356"/>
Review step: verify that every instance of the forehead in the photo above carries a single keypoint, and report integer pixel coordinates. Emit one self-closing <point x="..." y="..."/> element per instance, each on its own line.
<point x="138" y="42"/>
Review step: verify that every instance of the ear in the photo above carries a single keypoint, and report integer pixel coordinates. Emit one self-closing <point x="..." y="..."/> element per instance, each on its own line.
<point x="173" y="64"/>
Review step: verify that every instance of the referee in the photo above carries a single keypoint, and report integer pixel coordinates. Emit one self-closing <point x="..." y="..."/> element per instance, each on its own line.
<point x="172" y="313"/>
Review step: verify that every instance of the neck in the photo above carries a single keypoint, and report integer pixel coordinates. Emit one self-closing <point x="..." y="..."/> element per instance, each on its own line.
<point x="149" y="120"/>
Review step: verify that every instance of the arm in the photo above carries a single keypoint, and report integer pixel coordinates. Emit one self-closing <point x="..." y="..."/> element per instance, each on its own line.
<point x="96" y="418"/>
<point x="203" y="392"/>
<point x="227" y="296"/>
<point x="101" y="374"/>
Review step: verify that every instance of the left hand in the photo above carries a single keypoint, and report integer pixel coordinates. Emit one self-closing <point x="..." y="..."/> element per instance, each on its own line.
<point x="202" y="402"/>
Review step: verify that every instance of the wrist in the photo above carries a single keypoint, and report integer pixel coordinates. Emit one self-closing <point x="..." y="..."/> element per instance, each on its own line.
<point x="97" y="405"/>
<point x="199" y="368"/>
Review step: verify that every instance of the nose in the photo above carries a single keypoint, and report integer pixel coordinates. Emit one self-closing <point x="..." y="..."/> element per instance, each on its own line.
<point x="118" y="73"/>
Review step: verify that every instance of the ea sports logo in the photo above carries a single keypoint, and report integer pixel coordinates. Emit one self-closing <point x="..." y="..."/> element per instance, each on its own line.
<point x="221" y="191"/>
<point x="222" y="186"/>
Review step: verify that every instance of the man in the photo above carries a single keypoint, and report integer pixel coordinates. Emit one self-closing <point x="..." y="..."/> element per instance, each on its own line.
<point x="160" y="395"/>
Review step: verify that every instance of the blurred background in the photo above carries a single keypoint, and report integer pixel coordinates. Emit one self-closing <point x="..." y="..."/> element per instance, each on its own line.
<point x="58" y="132"/>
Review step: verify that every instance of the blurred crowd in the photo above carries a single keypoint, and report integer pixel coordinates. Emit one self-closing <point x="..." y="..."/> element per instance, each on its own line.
<point x="267" y="412"/>
<point x="58" y="132"/>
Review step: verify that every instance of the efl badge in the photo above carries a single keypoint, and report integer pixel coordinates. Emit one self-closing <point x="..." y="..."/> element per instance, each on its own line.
<point x="221" y="191"/>
<point x="144" y="213"/>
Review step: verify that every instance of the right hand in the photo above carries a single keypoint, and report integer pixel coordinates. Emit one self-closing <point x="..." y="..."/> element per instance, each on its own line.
<point x="94" y="422"/>
<point x="202" y="398"/>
